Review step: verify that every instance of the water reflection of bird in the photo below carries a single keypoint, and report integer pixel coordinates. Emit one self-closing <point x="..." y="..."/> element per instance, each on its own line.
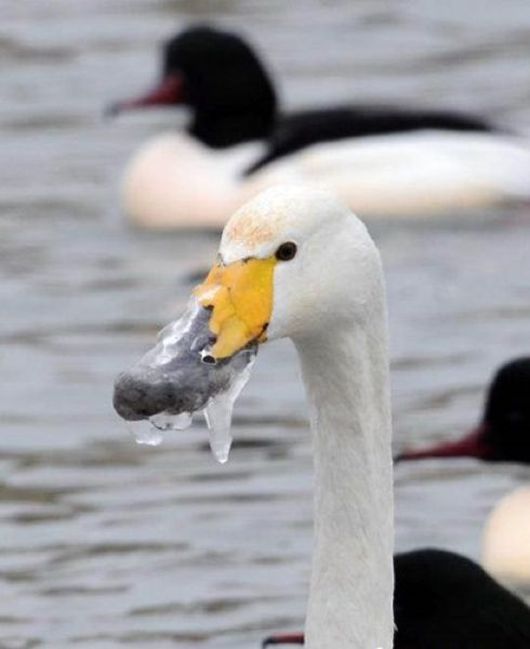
<point x="316" y="275"/>
<point x="381" y="160"/>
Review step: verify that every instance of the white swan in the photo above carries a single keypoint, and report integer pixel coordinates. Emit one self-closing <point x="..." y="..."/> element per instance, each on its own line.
<point x="174" y="181"/>
<point x="301" y="266"/>
<point x="296" y="263"/>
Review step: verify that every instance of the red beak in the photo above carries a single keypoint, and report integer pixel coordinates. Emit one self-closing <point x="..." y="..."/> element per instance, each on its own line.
<point x="286" y="638"/>
<point x="472" y="445"/>
<point x="169" y="92"/>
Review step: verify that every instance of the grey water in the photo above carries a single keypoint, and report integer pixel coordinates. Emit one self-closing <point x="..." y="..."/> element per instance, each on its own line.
<point x="104" y="543"/>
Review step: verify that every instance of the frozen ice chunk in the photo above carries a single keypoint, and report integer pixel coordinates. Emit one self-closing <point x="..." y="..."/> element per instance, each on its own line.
<point x="179" y="376"/>
<point x="218" y="413"/>
<point x="144" y="433"/>
<point x="167" y="421"/>
<point x="172" y="377"/>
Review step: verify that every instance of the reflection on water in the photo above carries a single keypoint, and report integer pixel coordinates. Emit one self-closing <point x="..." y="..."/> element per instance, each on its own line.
<point x="104" y="543"/>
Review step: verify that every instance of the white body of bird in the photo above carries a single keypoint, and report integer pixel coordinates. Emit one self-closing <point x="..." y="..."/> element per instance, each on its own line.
<point x="506" y="539"/>
<point x="174" y="181"/>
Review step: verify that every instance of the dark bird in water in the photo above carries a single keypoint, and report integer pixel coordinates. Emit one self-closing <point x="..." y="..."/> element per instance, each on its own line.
<point x="503" y="434"/>
<point x="231" y="97"/>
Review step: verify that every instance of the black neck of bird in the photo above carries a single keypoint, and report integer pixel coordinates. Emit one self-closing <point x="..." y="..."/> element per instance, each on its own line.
<point x="223" y="130"/>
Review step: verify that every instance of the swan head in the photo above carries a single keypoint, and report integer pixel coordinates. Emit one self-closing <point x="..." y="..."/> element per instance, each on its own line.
<point x="293" y="262"/>
<point x="217" y="75"/>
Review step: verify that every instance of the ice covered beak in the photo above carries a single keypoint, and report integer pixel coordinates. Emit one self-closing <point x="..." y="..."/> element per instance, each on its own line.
<point x="239" y="296"/>
<point x="203" y="360"/>
<point x="174" y="380"/>
<point x="173" y="377"/>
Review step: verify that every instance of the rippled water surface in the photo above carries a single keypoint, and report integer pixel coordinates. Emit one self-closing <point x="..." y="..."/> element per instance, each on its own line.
<point x="106" y="544"/>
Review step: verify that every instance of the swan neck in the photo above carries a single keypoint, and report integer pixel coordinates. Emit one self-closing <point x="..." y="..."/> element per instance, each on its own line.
<point x="347" y="381"/>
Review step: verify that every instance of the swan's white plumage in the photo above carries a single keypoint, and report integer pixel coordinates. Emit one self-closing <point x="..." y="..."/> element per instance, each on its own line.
<point x="329" y="299"/>
<point x="175" y="181"/>
<point x="506" y="539"/>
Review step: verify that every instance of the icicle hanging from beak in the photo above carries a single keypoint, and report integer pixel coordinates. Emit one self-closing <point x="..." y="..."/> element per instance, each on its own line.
<point x="219" y="409"/>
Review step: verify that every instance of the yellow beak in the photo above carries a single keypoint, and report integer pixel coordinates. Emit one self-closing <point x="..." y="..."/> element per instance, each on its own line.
<point x="240" y="296"/>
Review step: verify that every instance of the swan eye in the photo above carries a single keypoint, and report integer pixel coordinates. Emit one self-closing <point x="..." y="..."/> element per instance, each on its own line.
<point x="286" y="251"/>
